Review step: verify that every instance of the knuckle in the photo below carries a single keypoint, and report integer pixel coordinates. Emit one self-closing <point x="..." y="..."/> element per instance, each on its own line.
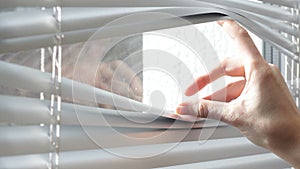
<point x="267" y="74"/>
<point x="230" y="85"/>
<point x="228" y="64"/>
<point x="242" y="32"/>
<point x="232" y="116"/>
<point x="274" y="67"/>
<point x="255" y="64"/>
<point x="225" y="62"/>
<point x="202" y="110"/>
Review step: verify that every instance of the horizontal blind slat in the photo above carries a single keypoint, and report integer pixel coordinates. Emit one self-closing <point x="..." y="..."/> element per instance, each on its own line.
<point x="26" y="78"/>
<point x="81" y="138"/>
<point x="287" y="3"/>
<point x="32" y="42"/>
<point x="9" y="45"/>
<point x="270" y="34"/>
<point x="258" y="8"/>
<point x="124" y="3"/>
<point x="265" y="161"/>
<point x="30" y="111"/>
<point x="37" y="161"/>
<point x="26" y="3"/>
<point x="275" y="24"/>
<point x="24" y="111"/>
<point x="17" y="140"/>
<point x="276" y="39"/>
<point x="26" y="23"/>
<point x="83" y="18"/>
<point x="91" y="116"/>
<point x="21" y="140"/>
<point x="95" y="3"/>
<point x="183" y="153"/>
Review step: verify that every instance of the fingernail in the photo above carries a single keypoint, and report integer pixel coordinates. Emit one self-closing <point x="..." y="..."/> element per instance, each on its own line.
<point x="183" y="104"/>
<point x="183" y="110"/>
<point x="221" y="22"/>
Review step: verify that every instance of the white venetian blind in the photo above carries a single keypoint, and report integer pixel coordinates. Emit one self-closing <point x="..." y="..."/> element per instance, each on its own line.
<point x="49" y="132"/>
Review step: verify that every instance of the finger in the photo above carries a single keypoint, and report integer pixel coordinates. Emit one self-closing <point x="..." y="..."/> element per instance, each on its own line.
<point x="230" y="92"/>
<point x="242" y="39"/>
<point x="225" y="112"/>
<point x="231" y="66"/>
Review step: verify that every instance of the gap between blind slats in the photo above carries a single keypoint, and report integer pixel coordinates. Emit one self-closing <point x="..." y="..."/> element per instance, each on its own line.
<point x="265" y="161"/>
<point x="18" y="140"/>
<point x="30" y="111"/>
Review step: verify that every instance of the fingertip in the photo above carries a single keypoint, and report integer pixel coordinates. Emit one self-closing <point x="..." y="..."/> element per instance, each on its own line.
<point x="181" y="110"/>
<point x="190" y="91"/>
<point x="221" y="22"/>
<point x="185" y="109"/>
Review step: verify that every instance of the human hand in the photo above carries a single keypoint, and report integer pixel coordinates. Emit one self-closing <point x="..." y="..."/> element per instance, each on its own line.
<point x="260" y="105"/>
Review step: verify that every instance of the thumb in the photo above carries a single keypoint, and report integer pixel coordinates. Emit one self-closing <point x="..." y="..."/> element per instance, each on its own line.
<point x="209" y="109"/>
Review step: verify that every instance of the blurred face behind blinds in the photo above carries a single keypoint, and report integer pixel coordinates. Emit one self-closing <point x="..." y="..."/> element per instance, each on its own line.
<point x="105" y="64"/>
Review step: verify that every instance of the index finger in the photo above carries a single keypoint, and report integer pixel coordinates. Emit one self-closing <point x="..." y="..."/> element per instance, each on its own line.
<point x="242" y="39"/>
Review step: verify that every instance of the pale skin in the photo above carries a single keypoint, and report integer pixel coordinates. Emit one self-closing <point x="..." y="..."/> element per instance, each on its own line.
<point x="260" y="105"/>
